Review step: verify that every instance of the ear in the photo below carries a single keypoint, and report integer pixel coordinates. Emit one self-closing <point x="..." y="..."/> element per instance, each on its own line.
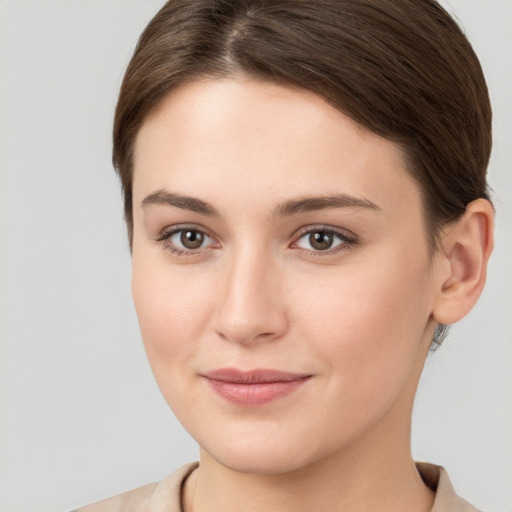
<point x="466" y="246"/>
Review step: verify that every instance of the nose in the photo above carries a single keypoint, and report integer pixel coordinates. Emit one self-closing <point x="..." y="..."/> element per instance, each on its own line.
<point x="251" y="305"/>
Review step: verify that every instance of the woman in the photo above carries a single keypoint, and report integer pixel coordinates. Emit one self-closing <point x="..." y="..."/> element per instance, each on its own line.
<point x="306" y="201"/>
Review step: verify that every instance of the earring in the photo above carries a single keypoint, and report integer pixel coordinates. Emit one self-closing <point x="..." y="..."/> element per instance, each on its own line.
<point x="439" y="336"/>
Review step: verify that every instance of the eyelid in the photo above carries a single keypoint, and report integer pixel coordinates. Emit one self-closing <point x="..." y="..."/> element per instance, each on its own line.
<point x="165" y="235"/>
<point x="349" y="239"/>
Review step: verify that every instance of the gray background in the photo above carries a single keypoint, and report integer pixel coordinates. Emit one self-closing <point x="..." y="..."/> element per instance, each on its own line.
<point x="81" y="417"/>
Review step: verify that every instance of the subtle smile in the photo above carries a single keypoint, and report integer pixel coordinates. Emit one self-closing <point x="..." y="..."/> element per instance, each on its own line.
<point x="255" y="387"/>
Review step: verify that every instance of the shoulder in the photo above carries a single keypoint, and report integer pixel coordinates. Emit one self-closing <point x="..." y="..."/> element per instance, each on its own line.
<point x="156" y="497"/>
<point x="131" y="501"/>
<point x="446" y="499"/>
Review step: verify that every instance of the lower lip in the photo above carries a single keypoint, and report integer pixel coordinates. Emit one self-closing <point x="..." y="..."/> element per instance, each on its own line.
<point x="256" y="393"/>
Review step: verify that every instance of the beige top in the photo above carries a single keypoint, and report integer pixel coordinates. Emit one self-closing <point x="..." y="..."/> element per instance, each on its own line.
<point x="165" y="496"/>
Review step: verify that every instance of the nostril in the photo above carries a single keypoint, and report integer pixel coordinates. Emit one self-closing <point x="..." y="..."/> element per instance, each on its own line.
<point x="246" y="333"/>
<point x="265" y="335"/>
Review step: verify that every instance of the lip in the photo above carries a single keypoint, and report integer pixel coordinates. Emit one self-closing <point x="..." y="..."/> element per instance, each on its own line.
<point x="253" y="387"/>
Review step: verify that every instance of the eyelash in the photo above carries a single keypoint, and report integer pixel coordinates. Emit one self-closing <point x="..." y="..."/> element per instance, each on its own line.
<point x="346" y="241"/>
<point x="165" y="236"/>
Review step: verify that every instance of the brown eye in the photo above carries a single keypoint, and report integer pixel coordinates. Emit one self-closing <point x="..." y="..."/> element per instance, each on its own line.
<point x="324" y="240"/>
<point x="187" y="241"/>
<point x="321" y="240"/>
<point x="191" y="239"/>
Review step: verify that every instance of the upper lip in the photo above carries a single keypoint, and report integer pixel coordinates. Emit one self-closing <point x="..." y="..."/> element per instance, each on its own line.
<point x="256" y="376"/>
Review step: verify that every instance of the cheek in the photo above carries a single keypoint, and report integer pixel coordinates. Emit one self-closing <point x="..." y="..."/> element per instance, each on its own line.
<point x="368" y="326"/>
<point x="172" y="311"/>
<point x="366" y="298"/>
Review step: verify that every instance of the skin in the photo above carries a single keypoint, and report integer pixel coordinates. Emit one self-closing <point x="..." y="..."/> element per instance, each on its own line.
<point x="358" y="318"/>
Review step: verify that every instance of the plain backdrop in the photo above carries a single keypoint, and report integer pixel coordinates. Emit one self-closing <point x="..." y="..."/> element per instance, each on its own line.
<point x="81" y="417"/>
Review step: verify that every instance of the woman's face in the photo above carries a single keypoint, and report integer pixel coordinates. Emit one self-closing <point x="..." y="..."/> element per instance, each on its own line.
<point x="281" y="274"/>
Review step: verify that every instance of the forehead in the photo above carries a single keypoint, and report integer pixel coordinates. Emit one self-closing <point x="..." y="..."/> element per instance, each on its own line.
<point x="246" y="138"/>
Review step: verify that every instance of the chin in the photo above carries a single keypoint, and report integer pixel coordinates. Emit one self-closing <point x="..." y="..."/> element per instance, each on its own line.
<point x="265" y="452"/>
<point x="260" y="461"/>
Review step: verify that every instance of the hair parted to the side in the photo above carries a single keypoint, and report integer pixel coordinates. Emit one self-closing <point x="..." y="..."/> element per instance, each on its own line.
<point x="401" y="68"/>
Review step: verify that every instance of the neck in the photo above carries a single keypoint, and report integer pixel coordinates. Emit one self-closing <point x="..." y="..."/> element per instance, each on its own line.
<point x="361" y="478"/>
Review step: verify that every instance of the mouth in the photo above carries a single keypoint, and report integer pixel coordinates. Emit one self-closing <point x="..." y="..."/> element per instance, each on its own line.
<point x="254" y="387"/>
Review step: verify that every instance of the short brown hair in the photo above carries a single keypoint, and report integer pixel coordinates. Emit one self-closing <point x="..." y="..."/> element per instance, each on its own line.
<point x="401" y="68"/>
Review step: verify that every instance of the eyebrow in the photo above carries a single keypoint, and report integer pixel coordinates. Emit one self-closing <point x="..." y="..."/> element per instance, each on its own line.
<point x="308" y="204"/>
<point x="286" y="209"/>
<point x="184" y="202"/>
